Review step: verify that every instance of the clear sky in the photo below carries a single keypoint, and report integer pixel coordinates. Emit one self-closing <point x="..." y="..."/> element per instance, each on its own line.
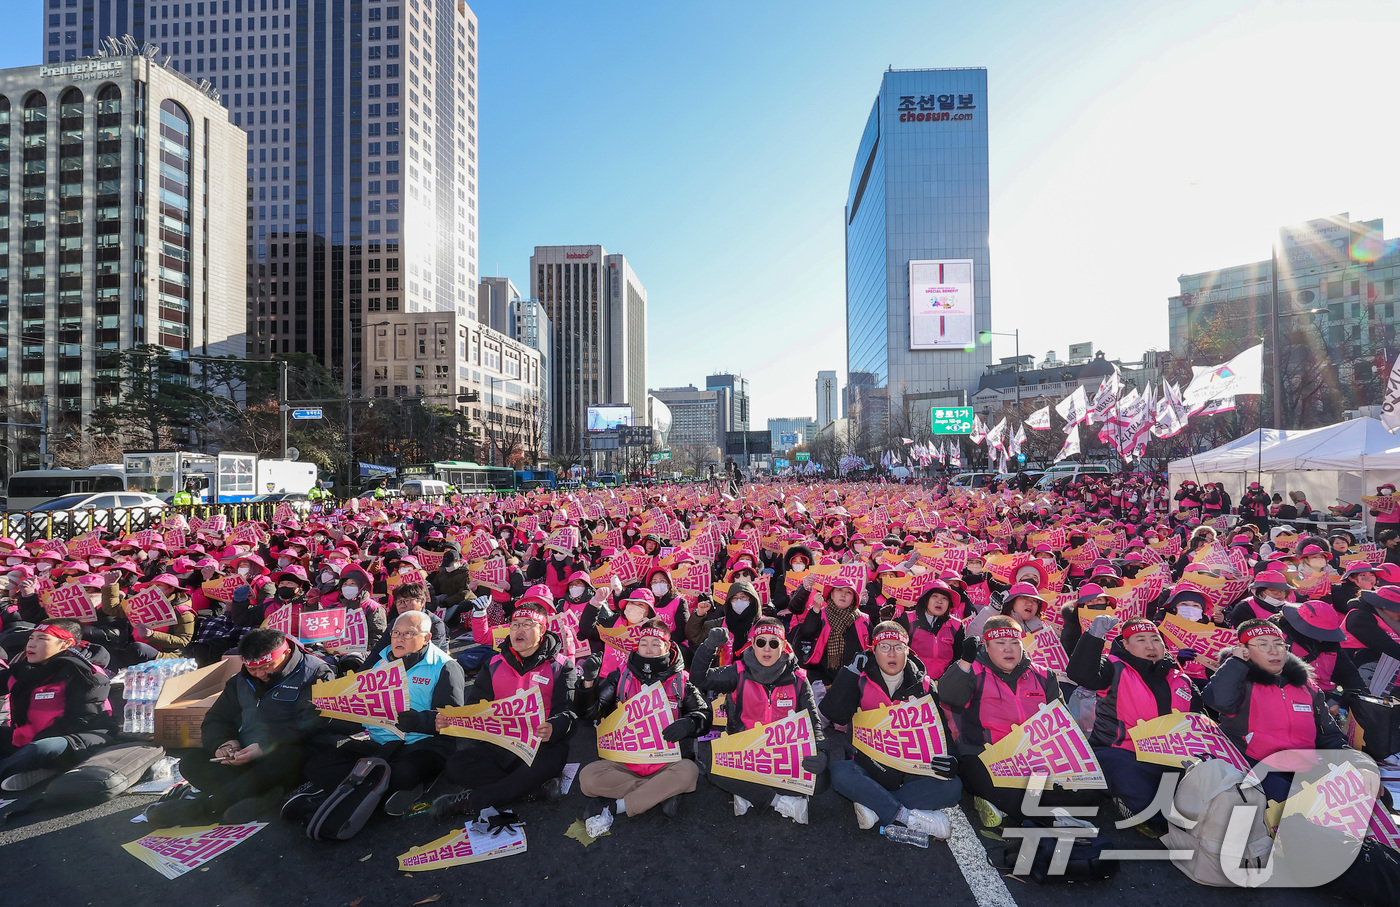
<point x="712" y="143"/>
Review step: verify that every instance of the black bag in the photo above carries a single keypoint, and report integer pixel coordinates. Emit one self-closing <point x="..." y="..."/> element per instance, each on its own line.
<point x="104" y="775"/>
<point x="1086" y="861"/>
<point x="1373" y="725"/>
<point x="1373" y="878"/>
<point x="346" y="810"/>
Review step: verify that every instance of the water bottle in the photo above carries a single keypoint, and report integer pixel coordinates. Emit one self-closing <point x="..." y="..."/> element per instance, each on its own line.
<point x="129" y="718"/>
<point x="148" y="722"/>
<point x="901" y="835"/>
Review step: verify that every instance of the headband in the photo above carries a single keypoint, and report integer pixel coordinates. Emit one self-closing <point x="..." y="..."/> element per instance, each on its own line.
<point x="55" y="632"/>
<point x="889" y="636"/>
<point x="770" y="630"/>
<point x="1139" y="625"/>
<point x="1254" y="633"/>
<point x="271" y="658"/>
<point x="533" y="611"/>
<point x="1002" y="633"/>
<point x="655" y="633"/>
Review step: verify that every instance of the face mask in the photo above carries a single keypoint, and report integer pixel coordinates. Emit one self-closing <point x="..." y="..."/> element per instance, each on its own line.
<point x="558" y="556"/>
<point x="635" y="614"/>
<point x="576" y="591"/>
<point x="283" y="561"/>
<point x="349" y="591"/>
<point x="659" y="589"/>
<point x="42" y="568"/>
<point x="327" y="578"/>
<point x="244" y="571"/>
<point x="503" y="536"/>
<point x="286" y="593"/>
<point x="405" y="571"/>
<point x="451" y="568"/>
<point x="13" y="561"/>
<point x="1190" y="612"/>
<point x="1269" y="599"/>
<point x="94" y="563"/>
<point x="320" y="539"/>
<point x="799" y="566"/>
<point x="740" y="605"/>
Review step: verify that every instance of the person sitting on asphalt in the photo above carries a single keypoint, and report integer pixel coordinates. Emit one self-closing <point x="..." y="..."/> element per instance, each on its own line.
<point x="1136" y="681"/>
<point x="532" y="656"/>
<point x="993" y="689"/>
<point x="256" y="735"/>
<point x="619" y="787"/>
<point x="764" y="684"/>
<point x="58" y="707"/>
<point x="434" y="680"/>
<point x="882" y="794"/>
<point x="1270" y="707"/>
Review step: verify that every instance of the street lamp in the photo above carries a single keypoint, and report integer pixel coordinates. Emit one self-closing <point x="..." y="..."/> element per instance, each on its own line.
<point x="986" y="337"/>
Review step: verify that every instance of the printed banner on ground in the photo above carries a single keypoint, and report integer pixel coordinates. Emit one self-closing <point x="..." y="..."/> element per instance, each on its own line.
<point x="465" y="845"/>
<point x="1048" y="743"/>
<point x="901" y="735"/>
<point x="375" y="696"/>
<point x="508" y="722"/>
<point x="769" y="754"/>
<point x="172" y="852"/>
<point x="632" y="733"/>
<point x="1177" y="738"/>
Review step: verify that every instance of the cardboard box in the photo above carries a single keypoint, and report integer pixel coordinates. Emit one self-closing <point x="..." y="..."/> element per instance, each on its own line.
<point x="184" y="701"/>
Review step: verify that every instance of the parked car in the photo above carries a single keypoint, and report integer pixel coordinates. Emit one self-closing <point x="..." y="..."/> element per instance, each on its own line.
<point x="74" y="514"/>
<point x="973" y="479"/>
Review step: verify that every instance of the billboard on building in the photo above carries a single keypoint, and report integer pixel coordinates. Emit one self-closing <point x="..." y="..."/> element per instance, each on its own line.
<point x="608" y="417"/>
<point x="941" y="304"/>
<point x="1318" y="243"/>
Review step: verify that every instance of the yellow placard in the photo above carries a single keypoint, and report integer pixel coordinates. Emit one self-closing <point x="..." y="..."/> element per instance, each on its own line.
<point x="905" y="736"/>
<point x="1048" y="743"/>
<point x="769" y="754"/>
<point x="508" y="722"/>
<point x="632" y="733"/>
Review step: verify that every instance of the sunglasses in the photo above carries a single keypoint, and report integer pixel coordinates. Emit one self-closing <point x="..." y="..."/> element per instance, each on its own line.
<point x="768" y="642"/>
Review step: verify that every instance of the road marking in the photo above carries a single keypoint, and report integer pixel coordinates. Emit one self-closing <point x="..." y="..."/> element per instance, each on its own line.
<point x="987" y="885"/>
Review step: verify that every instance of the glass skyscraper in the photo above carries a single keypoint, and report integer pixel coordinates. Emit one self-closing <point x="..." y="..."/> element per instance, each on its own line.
<point x="918" y="193"/>
<point x="361" y="161"/>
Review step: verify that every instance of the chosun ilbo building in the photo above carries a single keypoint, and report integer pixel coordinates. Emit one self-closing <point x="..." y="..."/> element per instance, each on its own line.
<point x="121" y="222"/>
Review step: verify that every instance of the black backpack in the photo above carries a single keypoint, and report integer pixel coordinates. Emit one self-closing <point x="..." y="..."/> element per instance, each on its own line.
<point x="1086" y="861"/>
<point x="104" y="775"/>
<point x="346" y="810"/>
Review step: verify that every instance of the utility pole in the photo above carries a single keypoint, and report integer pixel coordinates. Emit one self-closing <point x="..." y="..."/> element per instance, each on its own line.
<point x="283" y="367"/>
<point x="1273" y="342"/>
<point x="44" y="432"/>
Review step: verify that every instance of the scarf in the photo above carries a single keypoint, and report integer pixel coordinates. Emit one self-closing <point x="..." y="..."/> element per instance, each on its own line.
<point x="840" y="620"/>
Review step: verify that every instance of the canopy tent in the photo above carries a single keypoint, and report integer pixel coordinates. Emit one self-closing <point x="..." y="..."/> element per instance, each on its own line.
<point x="1331" y="464"/>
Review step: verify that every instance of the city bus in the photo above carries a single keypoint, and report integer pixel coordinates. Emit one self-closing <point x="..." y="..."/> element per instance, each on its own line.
<point x="29" y="488"/>
<point x="163" y="473"/>
<point x="467" y="478"/>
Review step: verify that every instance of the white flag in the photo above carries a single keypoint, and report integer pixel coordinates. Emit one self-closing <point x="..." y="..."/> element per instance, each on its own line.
<point x="1071" y="448"/>
<point x="1074" y="408"/>
<point x="979" y="430"/>
<point x="1390" y="410"/>
<point x="1107" y="397"/>
<point x="1243" y="374"/>
<point x="1040" y="419"/>
<point x="996" y="439"/>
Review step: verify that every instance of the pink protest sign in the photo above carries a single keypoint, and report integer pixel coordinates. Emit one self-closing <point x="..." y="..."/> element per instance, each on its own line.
<point x="902" y="735"/>
<point x="69" y="601"/>
<point x="1180" y="737"/>
<point x="175" y="851"/>
<point x="321" y="626"/>
<point x="150" y="609"/>
<point x="508" y="722"/>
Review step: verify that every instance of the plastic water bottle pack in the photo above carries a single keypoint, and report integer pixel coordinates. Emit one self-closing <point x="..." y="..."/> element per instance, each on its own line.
<point x="143" y="683"/>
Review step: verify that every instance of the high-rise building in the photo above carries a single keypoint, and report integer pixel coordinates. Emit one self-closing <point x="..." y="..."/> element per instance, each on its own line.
<point x="738" y="398"/>
<point x="597" y="312"/>
<point x="494" y="298"/>
<point x="529" y="324"/>
<point x="789" y="433"/>
<point x="113" y="233"/>
<point x="360" y="118"/>
<point x="828" y="394"/>
<point x="918" y="281"/>
<point x="699" y="420"/>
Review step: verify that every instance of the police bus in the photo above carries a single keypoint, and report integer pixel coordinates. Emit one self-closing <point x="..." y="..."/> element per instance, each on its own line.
<point x="466" y="478"/>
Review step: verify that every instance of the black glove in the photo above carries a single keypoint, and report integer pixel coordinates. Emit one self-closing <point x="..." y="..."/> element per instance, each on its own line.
<point x="502" y="822"/>
<point x="678" y="730"/>
<point x="815" y="764"/>
<point x="407" y="721"/>
<point x="947" y="766"/>
<point x="969" y="649"/>
<point x="718" y="636"/>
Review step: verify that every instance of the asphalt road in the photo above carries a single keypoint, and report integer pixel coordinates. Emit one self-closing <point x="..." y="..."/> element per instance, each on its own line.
<point x="707" y="855"/>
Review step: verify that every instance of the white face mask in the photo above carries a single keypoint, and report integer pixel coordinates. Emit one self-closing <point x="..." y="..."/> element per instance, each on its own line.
<point x="327" y="578"/>
<point x="95" y="562"/>
<point x="405" y="571"/>
<point x="283" y="561"/>
<point x="740" y="605"/>
<point x="1269" y="599"/>
<point x="1190" y="612"/>
<point x="13" y="561"/>
<point x="350" y="591"/>
<point x="558" y="556"/>
<point x="635" y="614"/>
<point x="451" y="568"/>
<point x="42" y="568"/>
<point x="244" y="570"/>
<point x="799" y="566"/>
<point x="659" y="589"/>
<point x="576" y="591"/>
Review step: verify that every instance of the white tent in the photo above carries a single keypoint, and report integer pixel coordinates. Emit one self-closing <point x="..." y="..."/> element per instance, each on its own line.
<point x="1233" y="456"/>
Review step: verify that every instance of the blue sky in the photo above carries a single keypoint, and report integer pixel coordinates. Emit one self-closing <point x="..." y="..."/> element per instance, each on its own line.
<point x="712" y="144"/>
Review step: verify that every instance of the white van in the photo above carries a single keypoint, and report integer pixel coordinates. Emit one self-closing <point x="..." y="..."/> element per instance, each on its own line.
<point x="422" y="488"/>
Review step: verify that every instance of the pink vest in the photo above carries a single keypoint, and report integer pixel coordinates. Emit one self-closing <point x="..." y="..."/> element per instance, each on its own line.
<point x="46" y="704"/>
<point x="557" y="579"/>
<point x="1323" y="666"/>
<point x="1351" y="642"/>
<point x="862" y="626"/>
<point x="1281" y="718"/>
<point x="999" y="707"/>
<point x="935" y="650"/>
<point x="628" y="686"/>
<point x="668" y="612"/>
<point x="757" y="706"/>
<point x="506" y="681"/>
<point x="1136" y="703"/>
<point x="874" y="694"/>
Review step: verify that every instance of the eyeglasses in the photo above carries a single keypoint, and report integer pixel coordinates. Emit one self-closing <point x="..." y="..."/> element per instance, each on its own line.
<point x="406" y="634"/>
<point x="1269" y="648"/>
<point x="523" y="624"/>
<point x="891" y="648"/>
<point x="768" y="642"/>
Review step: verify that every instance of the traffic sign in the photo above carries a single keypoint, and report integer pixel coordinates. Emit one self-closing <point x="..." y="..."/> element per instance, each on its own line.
<point x="306" y="413"/>
<point x="660" y="455"/>
<point x="803" y="456"/>
<point x="951" y="420"/>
